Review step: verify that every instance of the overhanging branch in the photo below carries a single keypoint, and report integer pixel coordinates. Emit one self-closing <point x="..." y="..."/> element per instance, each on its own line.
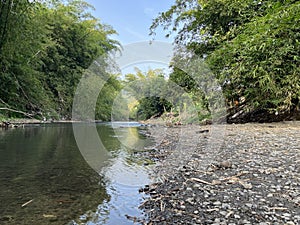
<point x="17" y="111"/>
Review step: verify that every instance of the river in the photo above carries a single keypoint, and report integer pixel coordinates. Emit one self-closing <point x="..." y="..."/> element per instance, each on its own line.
<point x="44" y="178"/>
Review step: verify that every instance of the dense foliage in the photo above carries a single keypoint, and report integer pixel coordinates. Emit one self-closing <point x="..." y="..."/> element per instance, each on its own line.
<point x="150" y="90"/>
<point x="44" y="48"/>
<point x="251" y="46"/>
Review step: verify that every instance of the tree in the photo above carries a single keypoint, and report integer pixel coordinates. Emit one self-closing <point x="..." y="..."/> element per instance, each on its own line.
<point x="194" y="91"/>
<point x="80" y="39"/>
<point x="23" y="36"/>
<point x="151" y="91"/>
<point x="250" y="45"/>
<point x="109" y="96"/>
<point x="260" y="67"/>
<point x="45" y="47"/>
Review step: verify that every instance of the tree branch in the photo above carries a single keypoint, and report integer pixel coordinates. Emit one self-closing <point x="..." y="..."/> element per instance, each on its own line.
<point x="3" y="102"/>
<point x="17" y="111"/>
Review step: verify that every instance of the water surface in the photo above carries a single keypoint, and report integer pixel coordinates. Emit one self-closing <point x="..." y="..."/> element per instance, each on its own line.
<point x="44" y="178"/>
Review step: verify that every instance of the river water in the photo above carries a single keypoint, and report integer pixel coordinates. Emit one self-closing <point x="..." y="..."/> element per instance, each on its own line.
<point x="44" y="178"/>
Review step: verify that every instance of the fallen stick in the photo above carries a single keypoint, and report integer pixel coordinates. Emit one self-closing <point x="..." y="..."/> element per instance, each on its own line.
<point x="26" y="203"/>
<point x="235" y="176"/>
<point x="17" y="111"/>
<point x="277" y="208"/>
<point x="229" y="214"/>
<point x="201" y="181"/>
<point x="212" y="210"/>
<point x="49" y="216"/>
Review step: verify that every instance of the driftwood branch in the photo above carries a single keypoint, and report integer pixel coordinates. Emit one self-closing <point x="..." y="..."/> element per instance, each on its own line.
<point x="26" y="203"/>
<point x="17" y="111"/>
<point x="200" y="181"/>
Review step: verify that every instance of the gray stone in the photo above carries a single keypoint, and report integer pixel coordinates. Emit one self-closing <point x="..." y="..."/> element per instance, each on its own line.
<point x="217" y="203"/>
<point x="236" y="216"/>
<point x="249" y="205"/>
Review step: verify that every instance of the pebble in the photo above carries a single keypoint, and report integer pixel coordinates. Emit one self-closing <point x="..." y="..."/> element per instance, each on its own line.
<point x="190" y="200"/>
<point x="223" y="213"/>
<point x="249" y="205"/>
<point x="290" y="223"/>
<point x="217" y="203"/>
<point x="225" y="206"/>
<point x="196" y="186"/>
<point x="236" y="216"/>
<point x="287" y="215"/>
<point x="260" y="178"/>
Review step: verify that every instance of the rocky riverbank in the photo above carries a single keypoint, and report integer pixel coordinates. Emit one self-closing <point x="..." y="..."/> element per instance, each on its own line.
<point x="225" y="174"/>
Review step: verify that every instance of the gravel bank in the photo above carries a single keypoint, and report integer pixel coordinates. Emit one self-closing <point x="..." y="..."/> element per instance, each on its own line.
<point x="225" y="174"/>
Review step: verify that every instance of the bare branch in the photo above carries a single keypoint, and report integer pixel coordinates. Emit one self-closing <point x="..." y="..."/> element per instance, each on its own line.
<point x="18" y="111"/>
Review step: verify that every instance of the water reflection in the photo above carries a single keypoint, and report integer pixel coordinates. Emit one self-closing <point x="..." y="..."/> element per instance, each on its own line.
<point x="124" y="174"/>
<point x="43" y="167"/>
<point x="43" y="164"/>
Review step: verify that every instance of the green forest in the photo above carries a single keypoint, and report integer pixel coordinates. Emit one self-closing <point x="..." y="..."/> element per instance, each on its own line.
<point x="252" y="48"/>
<point x="44" y="48"/>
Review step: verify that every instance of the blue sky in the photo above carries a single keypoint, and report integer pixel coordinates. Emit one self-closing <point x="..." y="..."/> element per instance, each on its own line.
<point x="131" y="18"/>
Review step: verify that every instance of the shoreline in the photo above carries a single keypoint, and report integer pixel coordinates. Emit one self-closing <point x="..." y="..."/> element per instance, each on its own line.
<point x="13" y="123"/>
<point x="252" y="176"/>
